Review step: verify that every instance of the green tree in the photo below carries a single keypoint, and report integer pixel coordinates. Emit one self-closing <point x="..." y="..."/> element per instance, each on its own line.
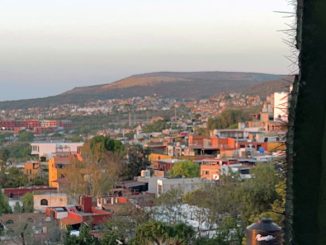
<point x="182" y="234"/>
<point x="19" y="150"/>
<point x="85" y="237"/>
<point x="233" y="204"/>
<point x="18" y="208"/>
<point x="157" y="126"/>
<point x="4" y="156"/>
<point x="4" y="205"/>
<point x="39" y="180"/>
<point x="4" y="137"/>
<point x="277" y="211"/>
<point x="137" y="160"/>
<point x="259" y="193"/>
<point x="99" y="145"/>
<point x="111" y="238"/>
<point x="12" y="178"/>
<point x="28" y="203"/>
<point x="160" y="233"/>
<point x="25" y="136"/>
<point x="228" y="118"/>
<point x="186" y="169"/>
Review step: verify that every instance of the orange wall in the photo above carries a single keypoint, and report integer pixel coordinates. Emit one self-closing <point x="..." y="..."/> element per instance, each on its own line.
<point x="207" y="171"/>
<point x="153" y="157"/>
<point x="32" y="169"/>
<point x="195" y="140"/>
<point x="275" y="146"/>
<point x="53" y="173"/>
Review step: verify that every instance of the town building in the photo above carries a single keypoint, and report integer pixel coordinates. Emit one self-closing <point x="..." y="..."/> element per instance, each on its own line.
<point x="45" y="150"/>
<point x="74" y="216"/>
<point x="47" y="200"/>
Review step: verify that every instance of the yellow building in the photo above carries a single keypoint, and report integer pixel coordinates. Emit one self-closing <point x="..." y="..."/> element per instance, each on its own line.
<point x="56" y="165"/>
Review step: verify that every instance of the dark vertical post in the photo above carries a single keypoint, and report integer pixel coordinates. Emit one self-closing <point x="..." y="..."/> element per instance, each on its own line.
<point x="308" y="152"/>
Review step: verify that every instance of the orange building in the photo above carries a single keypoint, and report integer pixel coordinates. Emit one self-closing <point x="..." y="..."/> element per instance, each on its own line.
<point x="155" y="158"/>
<point x="32" y="169"/>
<point x="210" y="171"/>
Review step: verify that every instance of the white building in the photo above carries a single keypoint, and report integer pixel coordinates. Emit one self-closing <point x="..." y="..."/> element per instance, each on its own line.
<point x="281" y="105"/>
<point x="158" y="185"/>
<point x="46" y="150"/>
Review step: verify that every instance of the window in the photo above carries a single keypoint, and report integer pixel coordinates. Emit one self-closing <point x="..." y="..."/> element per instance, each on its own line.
<point x="35" y="148"/>
<point x="44" y="202"/>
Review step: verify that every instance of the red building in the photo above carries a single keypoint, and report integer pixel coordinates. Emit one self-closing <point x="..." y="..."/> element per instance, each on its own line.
<point x="76" y="215"/>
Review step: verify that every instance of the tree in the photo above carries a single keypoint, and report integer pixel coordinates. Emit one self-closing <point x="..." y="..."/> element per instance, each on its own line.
<point x="233" y="204"/>
<point x="186" y="169"/>
<point x="277" y="211"/>
<point x="18" y="208"/>
<point x="168" y="205"/>
<point x="152" y="231"/>
<point x="137" y="160"/>
<point x="4" y="205"/>
<point x="228" y="118"/>
<point x="160" y="233"/>
<point x="5" y="137"/>
<point x="259" y="193"/>
<point x="85" y="237"/>
<point x="25" y="136"/>
<point x="111" y="238"/>
<point x="12" y="178"/>
<point x="4" y="156"/>
<point x="124" y="222"/>
<point x="39" y="180"/>
<point x="100" y="144"/>
<point x="18" y="151"/>
<point x="98" y="171"/>
<point x="28" y="203"/>
<point x="182" y="234"/>
<point x="157" y="126"/>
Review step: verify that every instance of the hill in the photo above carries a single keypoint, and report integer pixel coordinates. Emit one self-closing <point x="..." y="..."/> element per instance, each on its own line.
<point x="180" y="85"/>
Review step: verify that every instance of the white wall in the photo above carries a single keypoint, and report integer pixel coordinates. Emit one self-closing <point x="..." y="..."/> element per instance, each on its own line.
<point x="281" y="106"/>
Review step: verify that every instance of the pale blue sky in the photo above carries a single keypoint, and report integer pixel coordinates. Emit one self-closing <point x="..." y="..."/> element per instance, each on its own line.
<point x="49" y="46"/>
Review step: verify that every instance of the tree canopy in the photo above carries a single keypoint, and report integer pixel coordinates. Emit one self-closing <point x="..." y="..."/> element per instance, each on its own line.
<point x="25" y="136"/>
<point x="4" y="205"/>
<point x="28" y="203"/>
<point x="98" y="171"/>
<point x="161" y="233"/>
<point x="186" y="169"/>
<point x="101" y="144"/>
<point x="228" y="118"/>
<point x="156" y="126"/>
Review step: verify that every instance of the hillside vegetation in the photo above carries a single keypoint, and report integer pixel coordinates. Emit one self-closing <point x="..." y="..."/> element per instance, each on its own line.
<point x="180" y="85"/>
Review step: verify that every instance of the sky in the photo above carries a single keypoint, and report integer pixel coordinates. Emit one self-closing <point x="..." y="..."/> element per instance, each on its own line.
<point x="50" y="46"/>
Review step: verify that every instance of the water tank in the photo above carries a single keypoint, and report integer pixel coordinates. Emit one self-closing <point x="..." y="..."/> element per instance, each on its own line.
<point x="264" y="232"/>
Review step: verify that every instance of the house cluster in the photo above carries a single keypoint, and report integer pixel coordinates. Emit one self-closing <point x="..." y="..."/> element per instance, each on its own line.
<point x="34" y="125"/>
<point x="216" y="104"/>
<point x="222" y="152"/>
